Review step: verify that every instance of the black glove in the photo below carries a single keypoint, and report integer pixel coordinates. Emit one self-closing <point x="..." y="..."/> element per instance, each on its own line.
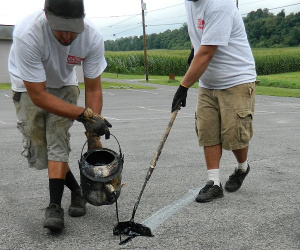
<point x="94" y="124"/>
<point x="179" y="99"/>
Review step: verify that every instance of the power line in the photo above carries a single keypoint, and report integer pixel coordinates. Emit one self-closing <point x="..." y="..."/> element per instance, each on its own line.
<point x="149" y="21"/>
<point x="124" y="31"/>
<point x="252" y="2"/>
<point x="163" y="24"/>
<point x="165" y="18"/>
<point x="108" y="17"/>
<point x="166" y="7"/>
<point x="132" y="16"/>
<point x="276" y="8"/>
<point x="120" y="26"/>
<point x="284" y="6"/>
<point x="170" y="24"/>
<point x="121" y="21"/>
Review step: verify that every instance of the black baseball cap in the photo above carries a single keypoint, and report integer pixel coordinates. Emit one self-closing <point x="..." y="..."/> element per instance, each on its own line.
<point x="65" y="15"/>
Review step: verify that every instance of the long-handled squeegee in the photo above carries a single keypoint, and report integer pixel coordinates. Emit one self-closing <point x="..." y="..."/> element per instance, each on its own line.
<point x="131" y="228"/>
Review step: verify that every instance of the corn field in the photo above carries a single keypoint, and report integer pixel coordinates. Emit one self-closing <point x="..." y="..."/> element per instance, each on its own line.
<point x="165" y="62"/>
<point x="274" y="61"/>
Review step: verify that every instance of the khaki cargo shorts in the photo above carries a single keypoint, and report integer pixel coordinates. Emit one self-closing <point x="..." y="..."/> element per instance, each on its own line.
<point x="45" y="135"/>
<point x="225" y="116"/>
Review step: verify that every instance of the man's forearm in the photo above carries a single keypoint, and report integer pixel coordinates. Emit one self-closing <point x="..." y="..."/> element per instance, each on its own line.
<point x="93" y="94"/>
<point x="199" y="65"/>
<point x="51" y="103"/>
<point x="93" y="100"/>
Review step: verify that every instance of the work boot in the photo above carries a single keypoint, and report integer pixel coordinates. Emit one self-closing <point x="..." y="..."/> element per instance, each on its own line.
<point x="54" y="217"/>
<point x="77" y="207"/>
<point x="236" y="179"/>
<point x="210" y="192"/>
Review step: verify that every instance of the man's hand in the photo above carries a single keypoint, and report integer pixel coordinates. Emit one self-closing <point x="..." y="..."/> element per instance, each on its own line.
<point x="179" y="99"/>
<point x="93" y="140"/>
<point x="94" y="124"/>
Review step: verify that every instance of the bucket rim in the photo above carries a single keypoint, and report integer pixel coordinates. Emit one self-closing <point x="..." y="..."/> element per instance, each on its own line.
<point x="116" y="173"/>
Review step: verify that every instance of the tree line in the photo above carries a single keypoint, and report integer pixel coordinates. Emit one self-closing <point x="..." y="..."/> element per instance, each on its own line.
<point x="264" y="30"/>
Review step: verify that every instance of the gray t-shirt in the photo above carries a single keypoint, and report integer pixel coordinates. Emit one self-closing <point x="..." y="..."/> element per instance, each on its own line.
<point x="218" y="22"/>
<point x="37" y="56"/>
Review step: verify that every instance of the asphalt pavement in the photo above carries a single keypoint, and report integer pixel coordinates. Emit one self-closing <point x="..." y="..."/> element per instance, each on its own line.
<point x="263" y="214"/>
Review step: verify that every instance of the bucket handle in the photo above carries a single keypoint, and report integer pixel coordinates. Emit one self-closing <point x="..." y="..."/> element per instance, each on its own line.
<point x="121" y="156"/>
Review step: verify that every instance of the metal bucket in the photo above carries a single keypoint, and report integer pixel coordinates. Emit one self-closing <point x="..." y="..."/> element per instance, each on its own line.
<point x="101" y="175"/>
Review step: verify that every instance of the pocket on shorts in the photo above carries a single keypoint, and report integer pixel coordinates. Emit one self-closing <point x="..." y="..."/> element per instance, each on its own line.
<point x="26" y="141"/>
<point x="245" y="131"/>
<point x="26" y="148"/>
<point x="68" y="142"/>
<point x="196" y="127"/>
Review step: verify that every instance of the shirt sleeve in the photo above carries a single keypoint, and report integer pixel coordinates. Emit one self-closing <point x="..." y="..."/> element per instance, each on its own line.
<point x="94" y="64"/>
<point x="29" y="62"/>
<point x="217" y="28"/>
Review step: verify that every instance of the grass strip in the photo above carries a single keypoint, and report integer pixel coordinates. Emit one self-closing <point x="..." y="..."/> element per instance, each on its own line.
<point x="285" y="85"/>
<point x="105" y="85"/>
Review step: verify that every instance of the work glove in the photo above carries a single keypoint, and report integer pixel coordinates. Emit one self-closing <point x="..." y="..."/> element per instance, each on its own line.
<point x="95" y="125"/>
<point x="179" y="99"/>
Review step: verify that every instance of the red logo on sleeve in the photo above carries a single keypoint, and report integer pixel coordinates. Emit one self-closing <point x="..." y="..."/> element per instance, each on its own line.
<point x="200" y="24"/>
<point x="74" y="60"/>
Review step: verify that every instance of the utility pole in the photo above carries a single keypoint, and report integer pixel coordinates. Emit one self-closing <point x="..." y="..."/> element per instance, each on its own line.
<point x="144" y="39"/>
<point x="237" y="3"/>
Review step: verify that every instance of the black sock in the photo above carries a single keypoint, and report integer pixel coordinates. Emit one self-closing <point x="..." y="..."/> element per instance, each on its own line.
<point x="71" y="182"/>
<point x="56" y="188"/>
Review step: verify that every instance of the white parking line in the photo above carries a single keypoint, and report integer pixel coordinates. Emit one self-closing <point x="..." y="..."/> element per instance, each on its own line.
<point x="108" y="93"/>
<point x="159" y="110"/>
<point x="143" y="91"/>
<point x="146" y="118"/>
<point x="167" y="111"/>
<point x="165" y="213"/>
<point x="264" y="112"/>
<point x="182" y="115"/>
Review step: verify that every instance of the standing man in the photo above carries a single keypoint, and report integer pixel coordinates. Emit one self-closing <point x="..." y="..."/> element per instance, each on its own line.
<point x="47" y="46"/>
<point x="224" y="65"/>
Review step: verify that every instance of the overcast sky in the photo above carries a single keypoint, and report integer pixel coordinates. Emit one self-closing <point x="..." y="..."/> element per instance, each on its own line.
<point x="120" y="18"/>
